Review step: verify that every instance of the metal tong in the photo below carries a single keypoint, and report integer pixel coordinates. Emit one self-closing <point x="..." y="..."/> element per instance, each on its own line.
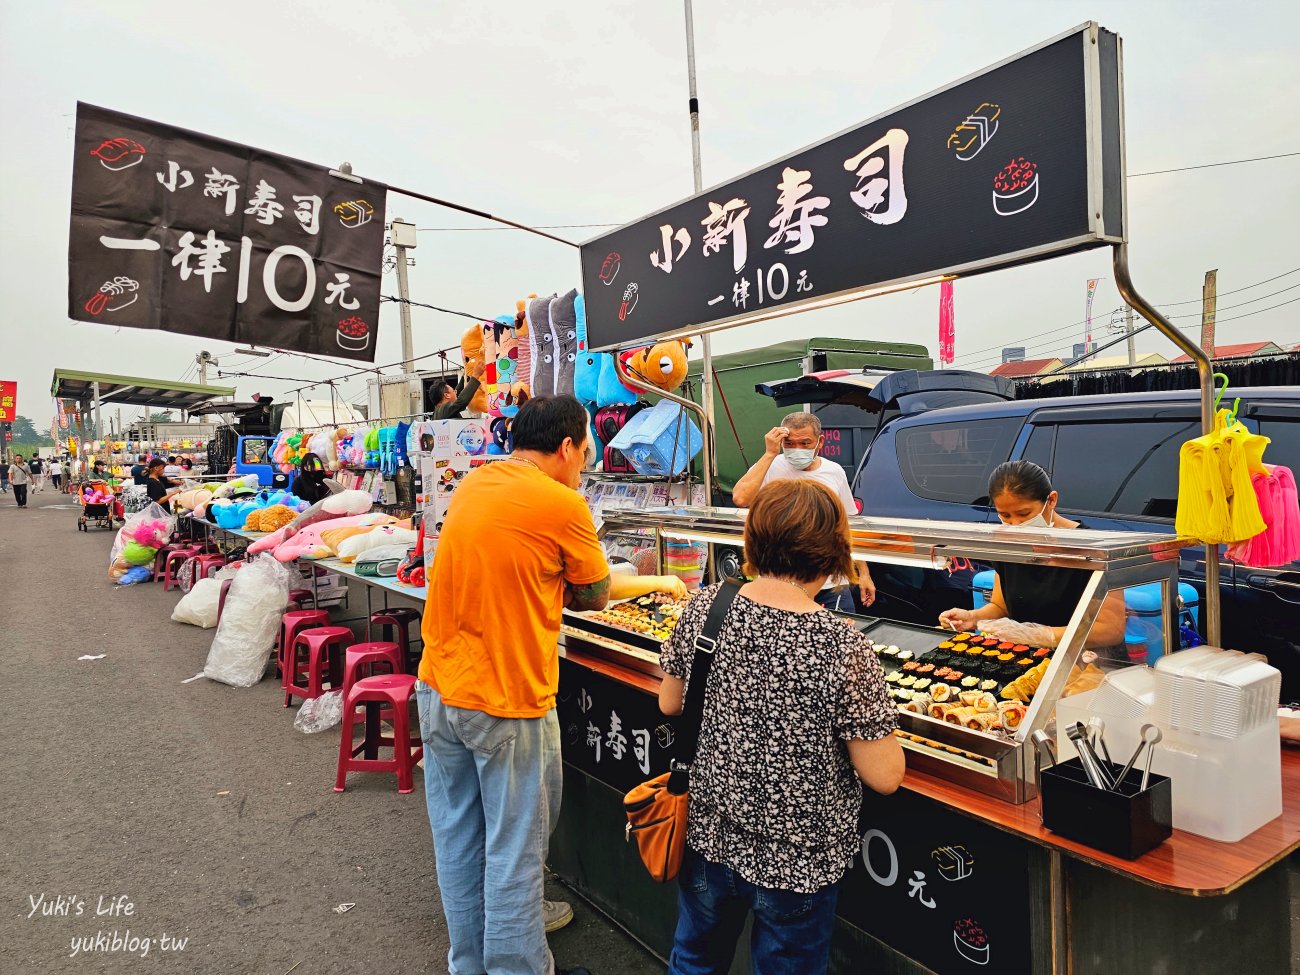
<point x="1097" y="773"/>
<point x="1151" y="736"/>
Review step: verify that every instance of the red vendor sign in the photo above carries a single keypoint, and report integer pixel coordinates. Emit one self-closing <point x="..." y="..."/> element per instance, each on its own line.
<point x="8" y="400"/>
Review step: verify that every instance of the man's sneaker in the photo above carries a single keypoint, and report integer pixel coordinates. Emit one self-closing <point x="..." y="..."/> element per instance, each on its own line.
<point x="556" y="914"/>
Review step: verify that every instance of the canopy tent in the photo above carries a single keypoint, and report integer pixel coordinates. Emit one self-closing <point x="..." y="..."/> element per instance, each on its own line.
<point x="131" y="391"/>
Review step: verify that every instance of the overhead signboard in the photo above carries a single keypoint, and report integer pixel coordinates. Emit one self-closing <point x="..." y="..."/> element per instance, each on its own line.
<point x="8" y="400"/>
<point x="179" y="231"/>
<point x="1017" y="163"/>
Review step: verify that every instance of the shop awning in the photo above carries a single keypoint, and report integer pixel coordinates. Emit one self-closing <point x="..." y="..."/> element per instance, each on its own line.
<point x="132" y="391"/>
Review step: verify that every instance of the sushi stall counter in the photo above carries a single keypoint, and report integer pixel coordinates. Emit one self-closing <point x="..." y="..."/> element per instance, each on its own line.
<point x="956" y="872"/>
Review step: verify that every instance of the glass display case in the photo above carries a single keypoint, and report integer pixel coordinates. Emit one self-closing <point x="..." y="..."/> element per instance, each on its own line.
<point x="979" y="700"/>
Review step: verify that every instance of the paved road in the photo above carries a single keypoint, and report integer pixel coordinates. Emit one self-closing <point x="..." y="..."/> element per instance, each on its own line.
<point x="198" y="805"/>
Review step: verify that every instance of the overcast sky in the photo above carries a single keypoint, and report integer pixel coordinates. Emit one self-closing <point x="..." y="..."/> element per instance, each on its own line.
<point x="575" y="113"/>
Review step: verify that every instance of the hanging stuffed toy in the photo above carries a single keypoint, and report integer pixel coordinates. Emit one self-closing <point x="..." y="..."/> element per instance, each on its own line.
<point x="544" y="347"/>
<point x="471" y="350"/>
<point x="502" y="441"/>
<point x="524" y="370"/>
<point x="501" y="381"/>
<point x="595" y="380"/>
<point x="564" y="323"/>
<point x="663" y="365"/>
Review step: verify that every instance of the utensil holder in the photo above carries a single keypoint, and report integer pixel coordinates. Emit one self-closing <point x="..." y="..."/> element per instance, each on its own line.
<point x="1125" y="823"/>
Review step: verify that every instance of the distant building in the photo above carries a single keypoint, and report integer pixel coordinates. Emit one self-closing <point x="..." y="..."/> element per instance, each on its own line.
<point x="1025" y="367"/>
<point x="1014" y="353"/>
<point x="1241" y="350"/>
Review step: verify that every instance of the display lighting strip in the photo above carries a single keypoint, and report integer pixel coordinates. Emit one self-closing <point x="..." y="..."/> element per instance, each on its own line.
<point x="688" y="535"/>
<point x="911" y="559"/>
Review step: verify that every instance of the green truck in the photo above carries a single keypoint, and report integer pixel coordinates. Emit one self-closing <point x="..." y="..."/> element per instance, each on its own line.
<point x="744" y="415"/>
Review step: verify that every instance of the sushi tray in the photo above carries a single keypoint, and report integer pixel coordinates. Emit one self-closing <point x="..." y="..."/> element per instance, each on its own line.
<point x="633" y="629"/>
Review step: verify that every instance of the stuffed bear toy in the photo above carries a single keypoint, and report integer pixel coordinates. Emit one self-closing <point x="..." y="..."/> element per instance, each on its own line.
<point x="471" y="350"/>
<point x="151" y="532"/>
<point x="663" y="365"/>
<point x="271" y="518"/>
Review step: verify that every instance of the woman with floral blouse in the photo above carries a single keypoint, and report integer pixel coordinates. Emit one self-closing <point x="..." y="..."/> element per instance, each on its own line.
<point x="796" y="719"/>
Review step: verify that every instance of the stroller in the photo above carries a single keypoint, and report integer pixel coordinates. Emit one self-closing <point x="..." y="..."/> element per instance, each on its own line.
<point x="100" y="512"/>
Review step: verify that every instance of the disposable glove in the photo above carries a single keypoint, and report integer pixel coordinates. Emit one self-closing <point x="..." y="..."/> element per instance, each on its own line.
<point x="1013" y="631"/>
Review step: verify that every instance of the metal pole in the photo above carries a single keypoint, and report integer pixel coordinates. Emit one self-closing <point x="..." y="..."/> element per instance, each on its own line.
<point x="710" y="459"/>
<point x="95" y="389"/>
<point x="1213" y="630"/>
<point x="1128" y="330"/>
<point x="404" y="306"/>
<point x="203" y="358"/>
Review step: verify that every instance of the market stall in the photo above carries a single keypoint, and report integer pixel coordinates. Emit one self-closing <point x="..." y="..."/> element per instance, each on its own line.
<point x="967" y="823"/>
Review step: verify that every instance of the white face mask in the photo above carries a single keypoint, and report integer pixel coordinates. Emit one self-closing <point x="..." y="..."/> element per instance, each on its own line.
<point x="1039" y="520"/>
<point x="798" y="459"/>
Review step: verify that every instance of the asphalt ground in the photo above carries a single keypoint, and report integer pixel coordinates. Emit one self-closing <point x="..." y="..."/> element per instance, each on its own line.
<point x="196" y="807"/>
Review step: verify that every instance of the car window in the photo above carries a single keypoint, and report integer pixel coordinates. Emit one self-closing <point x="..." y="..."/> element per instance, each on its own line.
<point x="254" y="452"/>
<point x="1285" y="446"/>
<point x="952" y="461"/>
<point x="1039" y="447"/>
<point x="1122" y="467"/>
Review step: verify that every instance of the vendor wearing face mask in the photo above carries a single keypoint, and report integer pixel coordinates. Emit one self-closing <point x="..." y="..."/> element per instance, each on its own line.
<point x="1032" y="604"/>
<point x="793" y="451"/>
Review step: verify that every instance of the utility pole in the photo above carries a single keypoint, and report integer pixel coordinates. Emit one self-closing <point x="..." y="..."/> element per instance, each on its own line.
<point x="403" y="237"/>
<point x="1128" y="330"/>
<point x="706" y="343"/>
<point x="203" y="358"/>
<point x="1209" y="299"/>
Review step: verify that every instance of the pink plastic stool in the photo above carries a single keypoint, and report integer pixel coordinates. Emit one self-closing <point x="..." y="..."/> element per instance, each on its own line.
<point x="291" y="624"/>
<point x="387" y="691"/>
<point x="300" y="598"/>
<point x="315" y="654"/>
<point x="164" y="554"/>
<point x="172" y="566"/>
<point x="364" y="657"/>
<point x="207" y="564"/>
<point x="394" y="624"/>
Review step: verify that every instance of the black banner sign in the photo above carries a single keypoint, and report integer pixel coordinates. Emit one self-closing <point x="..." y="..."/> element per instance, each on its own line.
<point x="610" y="730"/>
<point x="180" y="231"/>
<point x="940" y="887"/>
<point x="1020" y="162"/>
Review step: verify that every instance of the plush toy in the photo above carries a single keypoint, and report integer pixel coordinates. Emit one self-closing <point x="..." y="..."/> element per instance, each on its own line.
<point x="133" y="553"/>
<point x="564" y="325"/>
<point x="150" y="532"/>
<point x="341" y="505"/>
<point x="663" y="365"/>
<point x="595" y="380"/>
<point x="506" y="390"/>
<point x="471" y="350"/>
<point x="269" y="519"/>
<point x="544" y="349"/>
<point x="307" y="544"/>
<point x="372" y="447"/>
<point x="502" y="442"/>
<point x="524" y="369"/>
<point x="350" y="548"/>
<point x="190" y="500"/>
<point x="138" y="573"/>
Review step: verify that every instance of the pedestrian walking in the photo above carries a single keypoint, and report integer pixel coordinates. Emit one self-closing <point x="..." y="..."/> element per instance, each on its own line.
<point x="37" y="470"/>
<point x="56" y="474"/>
<point x="19" y="478"/>
<point x="4" y="478"/>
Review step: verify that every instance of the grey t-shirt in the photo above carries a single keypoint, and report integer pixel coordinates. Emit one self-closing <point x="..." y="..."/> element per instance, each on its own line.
<point x="19" y="474"/>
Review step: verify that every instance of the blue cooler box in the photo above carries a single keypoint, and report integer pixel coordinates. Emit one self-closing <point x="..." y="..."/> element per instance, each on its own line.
<point x="981" y="588"/>
<point x="1143" y="636"/>
<point x="660" y="440"/>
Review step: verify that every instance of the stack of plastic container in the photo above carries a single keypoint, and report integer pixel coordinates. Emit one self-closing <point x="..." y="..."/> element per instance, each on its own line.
<point x="1221" y="750"/>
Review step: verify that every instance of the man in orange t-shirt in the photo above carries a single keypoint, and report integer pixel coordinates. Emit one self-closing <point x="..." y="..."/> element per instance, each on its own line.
<point x="517" y="545"/>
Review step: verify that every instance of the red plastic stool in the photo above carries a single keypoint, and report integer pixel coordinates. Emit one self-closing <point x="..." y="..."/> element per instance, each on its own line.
<point x="364" y="657"/>
<point x="299" y="597"/>
<point x="207" y="564"/>
<point x="323" y="648"/>
<point x="172" y="565"/>
<point x="165" y="553"/>
<point x="225" y="588"/>
<point x="380" y="694"/>
<point x="291" y="624"/>
<point x="395" y="626"/>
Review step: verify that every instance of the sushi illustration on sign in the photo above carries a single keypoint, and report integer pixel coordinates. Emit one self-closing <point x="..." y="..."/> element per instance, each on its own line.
<point x="1015" y="188"/>
<point x="974" y="133"/>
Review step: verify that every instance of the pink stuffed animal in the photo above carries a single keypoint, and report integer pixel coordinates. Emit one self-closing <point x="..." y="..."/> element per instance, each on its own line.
<point x="151" y="532"/>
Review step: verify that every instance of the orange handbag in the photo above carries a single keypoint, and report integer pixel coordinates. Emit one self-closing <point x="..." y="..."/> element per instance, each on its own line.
<point x="656" y="810"/>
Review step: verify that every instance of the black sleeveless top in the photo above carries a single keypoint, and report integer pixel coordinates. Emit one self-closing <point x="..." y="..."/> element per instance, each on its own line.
<point x="1041" y="594"/>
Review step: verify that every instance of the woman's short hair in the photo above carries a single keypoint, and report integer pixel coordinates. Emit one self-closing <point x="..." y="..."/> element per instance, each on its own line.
<point x="798" y="529"/>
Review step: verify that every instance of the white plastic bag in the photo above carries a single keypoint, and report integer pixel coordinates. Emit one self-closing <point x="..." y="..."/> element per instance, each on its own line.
<point x="258" y="596"/>
<point x="320" y="713"/>
<point x="199" y="605"/>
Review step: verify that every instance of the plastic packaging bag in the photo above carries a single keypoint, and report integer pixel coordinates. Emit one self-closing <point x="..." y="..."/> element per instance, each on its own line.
<point x="138" y="541"/>
<point x="255" y="602"/>
<point x="199" y="606"/>
<point x="320" y="713"/>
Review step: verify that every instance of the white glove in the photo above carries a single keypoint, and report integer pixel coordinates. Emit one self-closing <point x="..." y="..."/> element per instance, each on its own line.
<point x="1013" y="631"/>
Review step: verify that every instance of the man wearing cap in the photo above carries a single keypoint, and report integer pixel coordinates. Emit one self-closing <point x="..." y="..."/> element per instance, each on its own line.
<point x="158" y="489"/>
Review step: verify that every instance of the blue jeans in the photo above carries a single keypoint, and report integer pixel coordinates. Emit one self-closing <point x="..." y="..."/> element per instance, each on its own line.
<point x="493" y="790"/>
<point x="791" y="933"/>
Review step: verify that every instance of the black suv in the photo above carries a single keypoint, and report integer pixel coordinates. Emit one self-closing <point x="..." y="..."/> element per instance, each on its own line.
<point x="1114" y="460"/>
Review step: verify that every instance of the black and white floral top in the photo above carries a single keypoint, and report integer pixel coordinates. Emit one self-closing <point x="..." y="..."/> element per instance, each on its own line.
<point x="773" y="794"/>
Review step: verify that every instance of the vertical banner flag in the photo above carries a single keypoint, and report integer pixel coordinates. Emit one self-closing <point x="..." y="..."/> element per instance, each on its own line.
<point x="8" y="400"/>
<point x="1092" y="293"/>
<point x="947" y="326"/>
<point x="180" y="231"/>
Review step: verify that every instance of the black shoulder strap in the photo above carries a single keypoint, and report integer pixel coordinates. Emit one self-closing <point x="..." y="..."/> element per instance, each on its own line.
<point x="688" y="729"/>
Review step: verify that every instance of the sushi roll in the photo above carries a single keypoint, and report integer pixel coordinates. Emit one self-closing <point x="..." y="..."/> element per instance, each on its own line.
<point x="904" y="654"/>
<point x="970" y="682"/>
<point x="961" y="637"/>
<point x="887" y="651"/>
<point x="941" y="693"/>
<point x="990" y="686"/>
<point x="946" y="645"/>
<point x="893" y="677"/>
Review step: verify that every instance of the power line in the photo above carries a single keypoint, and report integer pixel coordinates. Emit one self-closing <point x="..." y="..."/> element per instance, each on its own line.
<point x="540" y="226"/>
<point x="1223" y="294"/>
<point x="1230" y="162"/>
